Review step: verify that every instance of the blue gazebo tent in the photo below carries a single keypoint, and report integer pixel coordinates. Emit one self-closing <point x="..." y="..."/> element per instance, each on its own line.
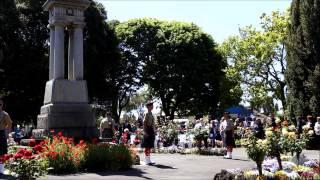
<point x="239" y="111"/>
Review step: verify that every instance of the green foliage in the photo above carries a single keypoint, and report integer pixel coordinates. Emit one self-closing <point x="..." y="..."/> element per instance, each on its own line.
<point x="23" y="30"/>
<point x="303" y="51"/>
<point x="137" y="101"/>
<point x="180" y="63"/>
<point x="28" y="168"/>
<point x="257" y="59"/>
<point x="256" y="150"/>
<point x="201" y="133"/>
<point x="169" y="133"/>
<point x="105" y="156"/>
<point x="112" y="74"/>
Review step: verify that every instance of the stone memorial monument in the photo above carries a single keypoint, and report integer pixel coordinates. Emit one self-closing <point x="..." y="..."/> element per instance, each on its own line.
<point x="66" y="107"/>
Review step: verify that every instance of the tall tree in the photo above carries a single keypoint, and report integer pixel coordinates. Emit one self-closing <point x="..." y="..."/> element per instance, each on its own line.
<point x="24" y="55"/>
<point x="113" y="73"/>
<point x="303" y="49"/>
<point x="257" y="59"/>
<point x="25" y="64"/>
<point x="180" y="63"/>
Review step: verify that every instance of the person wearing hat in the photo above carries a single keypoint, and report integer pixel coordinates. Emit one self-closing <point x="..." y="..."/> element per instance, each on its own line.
<point x="228" y="127"/>
<point x="149" y="133"/>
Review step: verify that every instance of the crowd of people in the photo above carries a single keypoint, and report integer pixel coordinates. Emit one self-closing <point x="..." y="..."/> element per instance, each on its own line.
<point x="218" y="132"/>
<point x="222" y="132"/>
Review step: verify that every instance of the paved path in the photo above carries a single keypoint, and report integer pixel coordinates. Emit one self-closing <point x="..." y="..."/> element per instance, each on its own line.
<point x="177" y="167"/>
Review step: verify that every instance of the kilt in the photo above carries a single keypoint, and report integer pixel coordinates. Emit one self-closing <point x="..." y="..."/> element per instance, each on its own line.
<point x="148" y="141"/>
<point x="229" y="138"/>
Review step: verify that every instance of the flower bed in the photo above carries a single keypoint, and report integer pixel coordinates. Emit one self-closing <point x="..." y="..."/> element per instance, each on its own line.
<point x="268" y="156"/>
<point x="60" y="155"/>
<point x="291" y="171"/>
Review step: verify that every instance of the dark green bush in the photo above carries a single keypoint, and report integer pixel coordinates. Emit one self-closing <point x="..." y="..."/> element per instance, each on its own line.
<point x="107" y="157"/>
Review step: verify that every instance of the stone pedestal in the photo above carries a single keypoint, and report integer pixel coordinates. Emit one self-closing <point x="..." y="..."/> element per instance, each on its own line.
<point x="66" y="109"/>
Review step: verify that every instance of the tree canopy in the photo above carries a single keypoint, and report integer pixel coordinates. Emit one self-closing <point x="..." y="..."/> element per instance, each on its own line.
<point x="303" y="49"/>
<point x="257" y="59"/>
<point x="180" y="63"/>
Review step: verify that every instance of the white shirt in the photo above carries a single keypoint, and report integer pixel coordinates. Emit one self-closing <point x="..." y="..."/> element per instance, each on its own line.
<point x="317" y="128"/>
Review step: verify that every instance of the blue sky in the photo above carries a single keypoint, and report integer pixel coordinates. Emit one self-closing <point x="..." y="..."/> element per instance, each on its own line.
<point x="216" y="17"/>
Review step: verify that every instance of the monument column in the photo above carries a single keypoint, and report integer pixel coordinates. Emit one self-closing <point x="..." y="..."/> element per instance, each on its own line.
<point x="78" y="52"/>
<point x="51" y="59"/>
<point x="66" y="106"/>
<point x="59" y="52"/>
<point x="70" y="54"/>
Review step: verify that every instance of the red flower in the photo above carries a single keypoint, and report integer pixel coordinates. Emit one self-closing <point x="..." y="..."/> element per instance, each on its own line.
<point x="28" y="153"/>
<point x="70" y="158"/>
<point x="38" y="148"/>
<point x="42" y="143"/>
<point x="59" y="134"/>
<point x="6" y="157"/>
<point x="94" y="140"/>
<point x="52" y="131"/>
<point x="17" y="156"/>
<point x="21" y="151"/>
<point x="32" y="142"/>
<point x="81" y="142"/>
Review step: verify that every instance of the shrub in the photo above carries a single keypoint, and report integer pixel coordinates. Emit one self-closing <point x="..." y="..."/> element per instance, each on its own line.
<point x="107" y="156"/>
<point x="96" y="157"/>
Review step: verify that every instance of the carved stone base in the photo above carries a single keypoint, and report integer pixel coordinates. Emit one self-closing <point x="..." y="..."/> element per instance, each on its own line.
<point x="66" y="91"/>
<point x="73" y="120"/>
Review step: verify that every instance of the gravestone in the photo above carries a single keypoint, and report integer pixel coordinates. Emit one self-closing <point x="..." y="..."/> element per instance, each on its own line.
<point x="66" y="107"/>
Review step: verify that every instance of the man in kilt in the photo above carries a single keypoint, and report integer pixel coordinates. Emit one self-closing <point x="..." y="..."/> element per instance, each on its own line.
<point x="149" y="133"/>
<point x="228" y="134"/>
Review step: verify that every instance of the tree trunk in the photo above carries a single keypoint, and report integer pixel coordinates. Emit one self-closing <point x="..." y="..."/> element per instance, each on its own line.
<point x="298" y="157"/>
<point x="279" y="160"/>
<point x="259" y="166"/>
<point x="282" y="96"/>
<point x="114" y="109"/>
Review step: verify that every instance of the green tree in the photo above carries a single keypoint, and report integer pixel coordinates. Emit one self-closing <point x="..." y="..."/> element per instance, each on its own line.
<point x="25" y="60"/>
<point x="180" y="63"/>
<point x="112" y="73"/>
<point x="24" y="56"/>
<point x="303" y="49"/>
<point x="257" y="59"/>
